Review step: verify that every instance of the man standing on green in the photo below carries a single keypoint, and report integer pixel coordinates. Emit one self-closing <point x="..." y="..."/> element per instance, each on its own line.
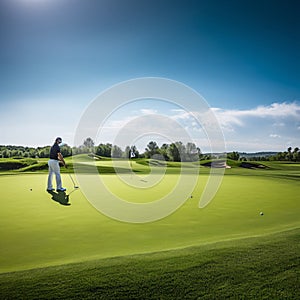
<point x="54" y="168"/>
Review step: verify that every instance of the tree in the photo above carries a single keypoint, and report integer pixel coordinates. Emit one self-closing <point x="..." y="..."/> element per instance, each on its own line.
<point x="164" y="151"/>
<point x="152" y="148"/>
<point x="116" y="152"/>
<point x="20" y="153"/>
<point x="104" y="150"/>
<point x="192" y="152"/>
<point x="88" y="142"/>
<point x="66" y="150"/>
<point x="182" y="151"/>
<point x="6" y="153"/>
<point x="14" y="153"/>
<point x="296" y="154"/>
<point x="173" y="152"/>
<point x="289" y="154"/>
<point x="32" y="153"/>
<point x="233" y="155"/>
<point x="88" y="145"/>
<point x="126" y="152"/>
<point x="280" y="156"/>
<point x="78" y="150"/>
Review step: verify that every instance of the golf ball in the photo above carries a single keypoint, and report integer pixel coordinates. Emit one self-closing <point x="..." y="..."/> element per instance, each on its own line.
<point x="261" y="213"/>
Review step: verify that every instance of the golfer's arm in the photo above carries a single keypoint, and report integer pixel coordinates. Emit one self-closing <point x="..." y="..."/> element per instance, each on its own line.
<point x="61" y="158"/>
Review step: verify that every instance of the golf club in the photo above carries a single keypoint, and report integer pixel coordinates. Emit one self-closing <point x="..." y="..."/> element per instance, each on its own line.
<point x="75" y="186"/>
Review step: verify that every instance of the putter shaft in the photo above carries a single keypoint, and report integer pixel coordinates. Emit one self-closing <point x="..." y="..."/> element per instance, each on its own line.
<point x="75" y="186"/>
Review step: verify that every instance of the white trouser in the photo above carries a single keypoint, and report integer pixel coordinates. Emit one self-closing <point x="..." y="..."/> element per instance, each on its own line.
<point x="54" y="169"/>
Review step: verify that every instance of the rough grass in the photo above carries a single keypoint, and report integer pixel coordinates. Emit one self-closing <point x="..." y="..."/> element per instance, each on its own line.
<point x="256" y="268"/>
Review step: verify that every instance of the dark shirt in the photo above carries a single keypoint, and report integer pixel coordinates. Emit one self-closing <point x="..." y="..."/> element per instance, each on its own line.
<point x="53" y="151"/>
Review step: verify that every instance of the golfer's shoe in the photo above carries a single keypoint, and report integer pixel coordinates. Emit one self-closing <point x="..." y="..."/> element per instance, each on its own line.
<point x="61" y="190"/>
<point x="50" y="190"/>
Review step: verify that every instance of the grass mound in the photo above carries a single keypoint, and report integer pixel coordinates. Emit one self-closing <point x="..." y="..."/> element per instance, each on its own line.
<point x="256" y="268"/>
<point x="35" y="167"/>
<point x="14" y="164"/>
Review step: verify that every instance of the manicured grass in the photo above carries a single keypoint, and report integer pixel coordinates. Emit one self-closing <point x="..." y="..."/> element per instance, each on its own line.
<point x="36" y="231"/>
<point x="257" y="268"/>
<point x="83" y="254"/>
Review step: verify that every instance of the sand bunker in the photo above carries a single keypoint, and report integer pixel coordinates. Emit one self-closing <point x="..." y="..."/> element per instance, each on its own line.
<point x="217" y="164"/>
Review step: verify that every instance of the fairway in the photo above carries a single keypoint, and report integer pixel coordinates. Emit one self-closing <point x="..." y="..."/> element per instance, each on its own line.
<point x="36" y="231"/>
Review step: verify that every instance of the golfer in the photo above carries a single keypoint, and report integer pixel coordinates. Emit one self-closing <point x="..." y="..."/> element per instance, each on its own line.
<point x="54" y="168"/>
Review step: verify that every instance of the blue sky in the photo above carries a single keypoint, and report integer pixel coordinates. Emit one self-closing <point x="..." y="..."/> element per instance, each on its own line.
<point x="243" y="57"/>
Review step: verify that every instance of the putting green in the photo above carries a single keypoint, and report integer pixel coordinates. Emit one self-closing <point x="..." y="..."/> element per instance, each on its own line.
<point x="36" y="231"/>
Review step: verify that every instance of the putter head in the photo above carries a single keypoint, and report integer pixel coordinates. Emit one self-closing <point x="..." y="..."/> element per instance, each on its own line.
<point x="76" y="187"/>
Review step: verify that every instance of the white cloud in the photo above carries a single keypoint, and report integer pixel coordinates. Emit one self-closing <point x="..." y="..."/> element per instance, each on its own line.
<point x="231" y="118"/>
<point x="228" y="118"/>
<point x="280" y="110"/>
<point x="274" y="135"/>
<point x="148" y="111"/>
<point x="180" y="114"/>
<point x="261" y="128"/>
<point x="278" y="124"/>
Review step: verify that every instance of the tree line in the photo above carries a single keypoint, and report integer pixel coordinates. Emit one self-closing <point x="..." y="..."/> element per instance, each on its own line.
<point x="11" y="151"/>
<point x="176" y="151"/>
<point x="171" y="152"/>
<point x="289" y="155"/>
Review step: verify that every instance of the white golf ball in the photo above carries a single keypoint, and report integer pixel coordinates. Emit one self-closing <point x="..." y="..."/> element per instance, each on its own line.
<point x="261" y="213"/>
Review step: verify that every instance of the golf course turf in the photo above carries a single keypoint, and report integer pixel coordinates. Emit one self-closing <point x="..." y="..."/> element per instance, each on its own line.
<point x="227" y="249"/>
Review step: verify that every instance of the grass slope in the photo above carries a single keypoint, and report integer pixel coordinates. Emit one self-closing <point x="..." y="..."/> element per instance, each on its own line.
<point x="36" y="231"/>
<point x="145" y="166"/>
<point x="80" y="243"/>
<point x="257" y="268"/>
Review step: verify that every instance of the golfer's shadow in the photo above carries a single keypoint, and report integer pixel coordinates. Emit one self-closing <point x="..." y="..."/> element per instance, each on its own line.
<point x="60" y="197"/>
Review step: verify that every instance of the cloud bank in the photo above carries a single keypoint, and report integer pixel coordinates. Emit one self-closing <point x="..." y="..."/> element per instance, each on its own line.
<point x="263" y="128"/>
<point x="272" y="127"/>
